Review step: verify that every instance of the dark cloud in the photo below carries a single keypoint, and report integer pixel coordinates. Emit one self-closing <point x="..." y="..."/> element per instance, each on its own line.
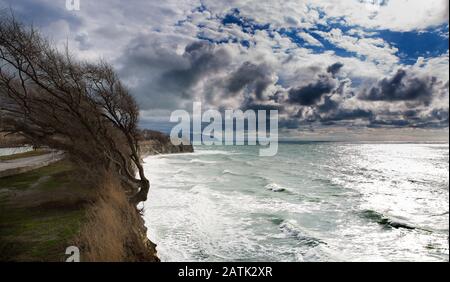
<point x="335" y="68"/>
<point x="142" y="66"/>
<point x="278" y="96"/>
<point x="440" y="114"/>
<point x="168" y="77"/>
<point x="329" y="101"/>
<point x="415" y="118"/>
<point x="250" y="75"/>
<point x="403" y="86"/>
<point x="332" y="110"/>
<point x="328" y="105"/>
<point x="378" y="123"/>
<point x="160" y="78"/>
<point x="145" y="54"/>
<point x="434" y="118"/>
<point x="289" y="123"/>
<point x="255" y="106"/>
<point x="312" y="93"/>
<point x="203" y="59"/>
<point x="305" y="115"/>
<point x="348" y="114"/>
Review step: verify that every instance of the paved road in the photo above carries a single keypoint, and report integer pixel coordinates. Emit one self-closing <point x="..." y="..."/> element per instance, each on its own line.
<point x="26" y="164"/>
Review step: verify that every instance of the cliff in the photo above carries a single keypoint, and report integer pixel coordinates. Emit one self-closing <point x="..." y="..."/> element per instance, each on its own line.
<point x="155" y="143"/>
<point x="114" y="231"/>
<point x="101" y="221"/>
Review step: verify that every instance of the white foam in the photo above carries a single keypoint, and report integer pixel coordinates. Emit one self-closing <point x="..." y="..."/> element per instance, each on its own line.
<point x="275" y="187"/>
<point x="199" y="161"/>
<point x="200" y="152"/>
<point x="201" y="213"/>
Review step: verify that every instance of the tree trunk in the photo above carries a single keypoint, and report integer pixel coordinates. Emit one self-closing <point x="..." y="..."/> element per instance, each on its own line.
<point x="141" y="196"/>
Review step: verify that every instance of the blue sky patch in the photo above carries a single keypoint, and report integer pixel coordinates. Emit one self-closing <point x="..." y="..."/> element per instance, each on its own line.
<point x="247" y="25"/>
<point x="415" y="44"/>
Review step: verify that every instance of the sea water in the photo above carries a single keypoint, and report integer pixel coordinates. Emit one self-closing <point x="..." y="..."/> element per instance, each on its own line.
<point x="311" y="202"/>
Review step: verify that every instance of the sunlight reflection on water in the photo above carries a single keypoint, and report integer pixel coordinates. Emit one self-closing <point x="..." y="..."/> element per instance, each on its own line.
<point x="332" y="202"/>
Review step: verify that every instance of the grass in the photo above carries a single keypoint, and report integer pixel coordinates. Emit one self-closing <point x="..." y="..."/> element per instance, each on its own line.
<point x="38" y="234"/>
<point x="29" y="154"/>
<point x="114" y="230"/>
<point x="58" y="172"/>
<point x="39" y="214"/>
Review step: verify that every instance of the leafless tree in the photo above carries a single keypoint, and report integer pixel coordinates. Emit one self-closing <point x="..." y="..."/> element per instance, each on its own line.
<point x="79" y="107"/>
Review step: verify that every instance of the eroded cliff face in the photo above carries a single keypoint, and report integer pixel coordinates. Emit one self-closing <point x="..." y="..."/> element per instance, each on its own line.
<point x="156" y="147"/>
<point x="155" y="143"/>
<point x="114" y="230"/>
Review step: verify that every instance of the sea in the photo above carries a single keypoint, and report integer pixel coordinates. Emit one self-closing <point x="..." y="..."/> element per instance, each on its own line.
<point x="313" y="201"/>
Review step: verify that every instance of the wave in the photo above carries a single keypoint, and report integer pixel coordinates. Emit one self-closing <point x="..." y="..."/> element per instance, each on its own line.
<point x="274" y="187"/>
<point x="199" y="161"/>
<point x="181" y="171"/>
<point x="229" y="172"/>
<point x="199" y="188"/>
<point x="386" y="221"/>
<point x="290" y="229"/>
<point x="232" y="173"/>
<point x="213" y="152"/>
<point x="441" y="214"/>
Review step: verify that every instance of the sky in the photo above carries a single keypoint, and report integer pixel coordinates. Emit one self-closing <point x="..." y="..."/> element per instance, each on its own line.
<point x="335" y="69"/>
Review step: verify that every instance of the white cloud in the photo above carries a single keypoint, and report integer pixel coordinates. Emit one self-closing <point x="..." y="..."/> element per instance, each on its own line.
<point x="147" y="39"/>
<point x="375" y="49"/>
<point x="399" y="15"/>
<point x="309" y="39"/>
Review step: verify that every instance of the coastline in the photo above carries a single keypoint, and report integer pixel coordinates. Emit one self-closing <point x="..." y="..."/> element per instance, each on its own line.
<point x="152" y="147"/>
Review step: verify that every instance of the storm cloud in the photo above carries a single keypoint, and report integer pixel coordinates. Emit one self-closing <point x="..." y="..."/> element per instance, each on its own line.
<point x="250" y="75"/>
<point x="403" y="86"/>
<point x="202" y="59"/>
<point x="312" y="93"/>
<point x="228" y="54"/>
<point x="161" y="78"/>
<point x="335" y="68"/>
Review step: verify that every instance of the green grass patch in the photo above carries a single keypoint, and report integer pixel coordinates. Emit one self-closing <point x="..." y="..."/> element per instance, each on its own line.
<point x="29" y="154"/>
<point x="60" y="170"/>
<point x="37" y="235"/>
<point x="40" y="232"/>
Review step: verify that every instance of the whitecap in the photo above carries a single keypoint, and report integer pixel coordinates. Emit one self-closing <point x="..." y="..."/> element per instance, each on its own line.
<point x="292" y="230"/>
<point x="275" y="187"/>
<point x="199" y="161"/>
<point x="229" y="172"/>
<point x="213" y="152"/>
